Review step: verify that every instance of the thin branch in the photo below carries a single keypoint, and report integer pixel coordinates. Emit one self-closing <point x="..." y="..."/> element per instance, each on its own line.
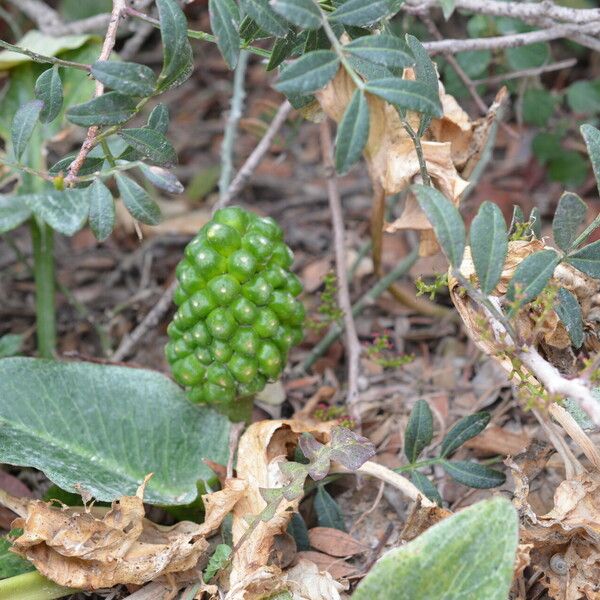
<point x="557" y="66"/>
<point x="252" y="162"/>
<point x="509" y="41"/>
<point x="231" y="127"/>
<point x="118" y="10"/>
<point x="41" y="58"/>
<point x="337" y="219"/>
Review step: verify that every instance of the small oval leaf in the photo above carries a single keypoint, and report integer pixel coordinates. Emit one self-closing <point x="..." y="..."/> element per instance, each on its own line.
<point x="49" y="89"/>
<point x="419" y="430"/>
<point x="424" y="485"/>
<point x="489" y="245"/>
<point x="570" y="214"/>
<point x="407" y="94"/>
<point x="587" y="259"/>
<point x="466" y="428"/>
<point x="111" y="108"/>
<point x="65" y="211"/>
<point x="361" y="13"/>
<point x="473" y="474"/>
<point x="329" y="513"/>
<point x="309" y="73"/>
<point x="383" y="49"/>
<point x="531" y="277"/>
<point x="303" y="13"/>
<point x="102" y="210"/>
<point x="592" y="140"/>
<point x="162" y="179"/>
<point x="265" y="16"/>
<point x="137" y="201"/>
<point x="225" y="22"/>
<point x="159" y="118"/>
<point x="23" y="124"/>
<point x="353" y="132"/>
<point x="131" y="79"/>
<point x="152" y="145"/>
<point x="569" y="312"/>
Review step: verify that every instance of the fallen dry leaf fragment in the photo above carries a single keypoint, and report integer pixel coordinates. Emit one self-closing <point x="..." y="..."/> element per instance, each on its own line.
<point x="80" y="549"/>
<point x="337" y="567"/>
<point x="334" y="542"/>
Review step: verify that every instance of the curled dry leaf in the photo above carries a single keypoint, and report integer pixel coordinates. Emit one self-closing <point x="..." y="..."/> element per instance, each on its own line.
<point x="451" y="147"/>
<point x="91" y="549"/>
<point x="261" y="450"/>
<point x="565" y="542"/>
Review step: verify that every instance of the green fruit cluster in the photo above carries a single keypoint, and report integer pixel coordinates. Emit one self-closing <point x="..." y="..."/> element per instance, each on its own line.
<point x="238" y="313"/>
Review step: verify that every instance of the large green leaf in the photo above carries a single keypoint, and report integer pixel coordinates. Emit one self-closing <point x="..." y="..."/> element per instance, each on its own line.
<point x="309" y="73"/>
<point x="178" y="61"/>
<point x="359" y="12"/>
<point x="65" y="211"/>
<point x="353" y="132"/>
<point x="407" y="94"/>
<point x="111" y="108"/>
<point x="127" y="78"/>
<point x="446" y="220"/>
<point x="384" y="49"/>
<point x="303" y="13"/>
<point x="592" y="140"/>
<point x="224" y="22"/>
<point x="532" y="276"/>
<point x="105" y="428"/>
<point x="587" y="259"/>
<point x="570" y="214"/>
<point x="14" y="211"/>
<point x="419" y="430"/>
<point x="469" y="556"/>
<point x="489" y="245"/>
<point x="152" y="145"/>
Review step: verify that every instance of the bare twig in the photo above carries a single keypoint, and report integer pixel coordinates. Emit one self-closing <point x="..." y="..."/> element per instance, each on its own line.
<point x="231" y="127"/>
<point x="337" y="220"/>
<point x="42" y="58"/>
<point x="118" y="11"/>
<point x="39" y="12"/>
<point x="94" y="23"/>
<point x="509" y="41"/>
<point x="557" y="66"/>
<point x="248" y="168"/>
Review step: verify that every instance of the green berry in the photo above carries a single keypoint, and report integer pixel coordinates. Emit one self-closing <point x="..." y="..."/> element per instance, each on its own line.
<point x="237" y="314"/>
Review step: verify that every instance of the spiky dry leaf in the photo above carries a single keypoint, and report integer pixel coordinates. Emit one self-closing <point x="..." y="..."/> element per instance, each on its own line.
<point x="91" y="549"/>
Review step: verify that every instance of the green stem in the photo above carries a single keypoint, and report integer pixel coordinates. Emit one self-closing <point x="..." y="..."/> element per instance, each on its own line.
<point x="32" y="586"/>
<point x="418" y="148"/>
<point x="419" y="465"/>
<point x="337" y="329"/>
<point x="43" y="272"/>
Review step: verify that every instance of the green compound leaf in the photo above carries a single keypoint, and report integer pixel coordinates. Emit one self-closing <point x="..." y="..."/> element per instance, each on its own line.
<point x="303" y="13"/>
<point x="419" y="430"/>
<point x="178" y="62"/>
<point x="14" y="211"/>
<point x="309" y="73"/>
<point x="224" y="22"/>
<point x="468" y="427"/>
<point x="159" y="118"/>
<point x="137" y="201"/>
<point x="569" y="312"/>
<point x="384" y="49"/>
<point x="102" y="210"/>
<point x="473" y="474"/>
<point x="109" y="109"/>
<point x="532" y="276"/>
<point x="587" y="259"/>
<point x="423" y="483"/>
<point x="426" y="73"/>
<point x="265" y="16"/>
<point x="570" y="214"/>
<point x="592" y="140"/>
<point x="406" y="94"/>
<point x="468" y="556"/>
<point x="353" y="132"/>
<point x="131" y="79"/>
<point x="489" y="245"/>
<point x="65" y="211"/>
<point x="49" y="89"/>
<point x="106" y="428"/>
<point x="329" y="513"/>
<point x="446" y="220"/>
<point x="152" y="145"/>
<point x="361" y="13"/>
<point x="23" y="124"/>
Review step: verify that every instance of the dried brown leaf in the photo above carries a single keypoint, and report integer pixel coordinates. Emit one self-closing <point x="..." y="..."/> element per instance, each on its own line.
<point x="334" y="542"/>
<point x="338" y="568"/>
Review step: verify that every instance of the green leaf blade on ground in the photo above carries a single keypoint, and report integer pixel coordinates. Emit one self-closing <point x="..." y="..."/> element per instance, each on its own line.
<point x="49" y="89"/>
<point x="328" y="511"/>
<point x="137" y="201"/>
<point x="383" y="49"/>
<point x="309" y="73"/>
<point x="23" y="125"/>
<point x="446" y="220"/>
<point x="14" y="211"/>
<point x="587" y="259"/>
<point x="569" y="312"/>
<point x="102" y="210"/>
<point x="224" y="22"/>
<point x="131" y="79"/>
<point x="569" y="216"/>
<point x="178" y="62"/>
<point x="532" y="276"/>
<point x="353" y="132"/>
<point x="105" y="428"/>
<point x="591" y="136"/>
<point x="152" y="145"/>
<point x="466" y="428"/>
<point x="419" y="430"/>
<point x="468" y="556"/>
<point x="406" y="94"/>
<point x="303" y="13"/>
<point x="361" y="13"/>
<point x="473" y="474"/>
<point x="111" y="108"/>
<point x="489" y="245"/>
